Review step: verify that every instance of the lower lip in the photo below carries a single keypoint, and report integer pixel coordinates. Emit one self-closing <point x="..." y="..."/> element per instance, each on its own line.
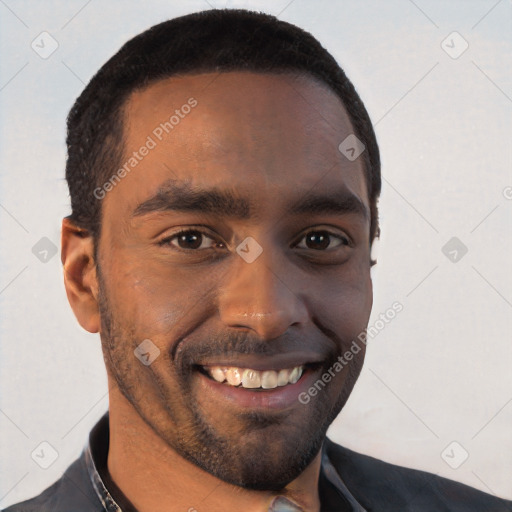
<point x="281" y="397"/>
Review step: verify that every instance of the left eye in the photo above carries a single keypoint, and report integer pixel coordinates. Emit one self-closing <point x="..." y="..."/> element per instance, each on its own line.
<point x="191" y="239"/>
<point x="321" y="240"/>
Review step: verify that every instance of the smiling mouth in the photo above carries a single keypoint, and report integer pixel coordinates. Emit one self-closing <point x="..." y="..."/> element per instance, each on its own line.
<point x="249" y="378"/>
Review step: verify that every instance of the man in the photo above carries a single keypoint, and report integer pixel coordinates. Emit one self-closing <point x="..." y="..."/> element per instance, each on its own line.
<point x="224" y="177"/>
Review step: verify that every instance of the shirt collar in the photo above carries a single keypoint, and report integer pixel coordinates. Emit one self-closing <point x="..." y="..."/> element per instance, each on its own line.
<point x="96" y="451"/>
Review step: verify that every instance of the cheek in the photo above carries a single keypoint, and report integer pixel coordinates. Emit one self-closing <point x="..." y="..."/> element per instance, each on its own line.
<point x="345" y="302"/>
<point x="158" y="299"/>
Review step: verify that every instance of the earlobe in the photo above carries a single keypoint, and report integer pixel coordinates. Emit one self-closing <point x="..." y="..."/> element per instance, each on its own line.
<point x="80" y="279"/>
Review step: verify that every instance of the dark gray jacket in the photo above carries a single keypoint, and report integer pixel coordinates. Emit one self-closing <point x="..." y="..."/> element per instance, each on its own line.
<point x="348" y="481"/>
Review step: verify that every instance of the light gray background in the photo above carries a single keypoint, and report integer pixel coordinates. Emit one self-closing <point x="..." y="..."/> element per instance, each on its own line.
<point x="439" y="372"/>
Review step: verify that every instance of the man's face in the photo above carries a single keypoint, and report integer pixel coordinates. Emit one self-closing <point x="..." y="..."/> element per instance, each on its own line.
<point x="269" y="143"/>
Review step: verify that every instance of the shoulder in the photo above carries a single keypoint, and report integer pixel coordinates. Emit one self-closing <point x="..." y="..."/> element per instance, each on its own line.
<point x="382" y="486"/>
<point x="72" y="491"/>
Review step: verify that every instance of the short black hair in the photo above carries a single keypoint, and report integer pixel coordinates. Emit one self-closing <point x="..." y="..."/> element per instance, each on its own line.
<point x="217" y="40"/>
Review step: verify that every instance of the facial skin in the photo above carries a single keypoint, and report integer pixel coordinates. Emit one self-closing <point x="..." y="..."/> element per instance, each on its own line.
<point x="176" y="437"/>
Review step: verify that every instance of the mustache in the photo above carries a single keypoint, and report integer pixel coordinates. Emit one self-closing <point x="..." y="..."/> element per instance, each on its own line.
<point x="188" y="350"/>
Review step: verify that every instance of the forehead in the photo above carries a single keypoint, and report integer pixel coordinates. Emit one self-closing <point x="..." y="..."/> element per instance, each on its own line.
<point x="269" y="136"/>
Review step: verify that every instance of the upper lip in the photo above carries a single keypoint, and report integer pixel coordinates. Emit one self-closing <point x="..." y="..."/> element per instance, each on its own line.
<point x="264" y="362"/>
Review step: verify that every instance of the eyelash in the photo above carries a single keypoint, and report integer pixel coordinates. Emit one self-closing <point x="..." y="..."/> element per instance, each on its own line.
<point x="345" y="240"/>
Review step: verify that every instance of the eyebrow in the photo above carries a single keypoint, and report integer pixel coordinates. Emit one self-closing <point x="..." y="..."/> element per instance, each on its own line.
<point x="183" y="197"/>
<point x="176" y="196"/>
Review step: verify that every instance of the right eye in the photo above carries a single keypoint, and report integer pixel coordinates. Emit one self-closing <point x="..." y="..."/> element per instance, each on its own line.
<point x="191" y="240"/>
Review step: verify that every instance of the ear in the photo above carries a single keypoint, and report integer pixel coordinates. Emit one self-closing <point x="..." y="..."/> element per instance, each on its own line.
<point x="80" y="280"/>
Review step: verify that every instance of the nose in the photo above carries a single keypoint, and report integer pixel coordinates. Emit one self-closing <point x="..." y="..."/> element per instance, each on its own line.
<point x="259" y="296"/>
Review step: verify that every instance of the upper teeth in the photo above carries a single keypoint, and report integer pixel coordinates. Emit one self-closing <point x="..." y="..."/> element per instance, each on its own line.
<point x="251" y="379"/>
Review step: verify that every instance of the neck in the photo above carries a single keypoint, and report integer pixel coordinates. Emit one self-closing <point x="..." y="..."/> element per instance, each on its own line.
<point x="153" y="476"/>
